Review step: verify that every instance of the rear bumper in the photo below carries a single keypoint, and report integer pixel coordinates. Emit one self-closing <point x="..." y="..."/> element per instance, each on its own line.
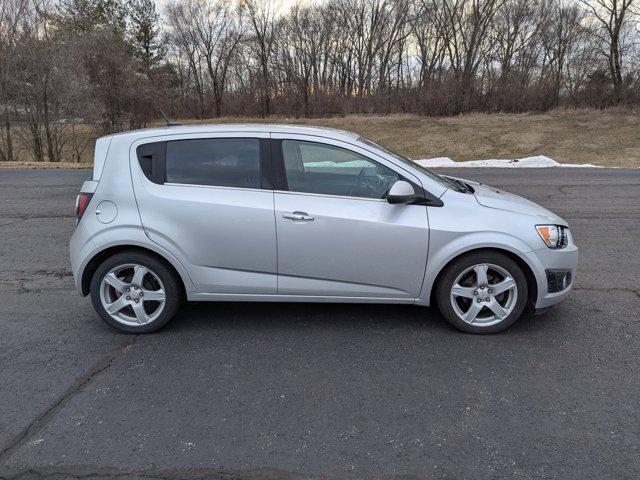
<point x="80" y="250"/>
<point x="545" y="259"/>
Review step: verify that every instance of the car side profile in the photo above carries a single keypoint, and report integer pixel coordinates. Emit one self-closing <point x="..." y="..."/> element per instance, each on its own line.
<point x="304" y="214"/>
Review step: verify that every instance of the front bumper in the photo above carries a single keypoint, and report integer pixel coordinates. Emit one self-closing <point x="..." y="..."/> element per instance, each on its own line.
<point x="545" y="259"/>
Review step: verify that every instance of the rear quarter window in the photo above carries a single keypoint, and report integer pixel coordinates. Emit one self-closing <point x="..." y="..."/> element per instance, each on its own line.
<point x="223" y="162"/>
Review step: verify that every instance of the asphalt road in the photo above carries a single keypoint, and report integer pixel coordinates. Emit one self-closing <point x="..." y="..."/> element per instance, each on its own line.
<point x="268" y="391"/>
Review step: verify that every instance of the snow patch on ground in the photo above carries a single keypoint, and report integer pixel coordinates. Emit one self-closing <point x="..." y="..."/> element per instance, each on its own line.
<point x="539" y="161"/>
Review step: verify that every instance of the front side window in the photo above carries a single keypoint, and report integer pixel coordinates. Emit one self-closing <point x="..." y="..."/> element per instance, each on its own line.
<point x="223" y="162"/>
<point x="325" y="169"/>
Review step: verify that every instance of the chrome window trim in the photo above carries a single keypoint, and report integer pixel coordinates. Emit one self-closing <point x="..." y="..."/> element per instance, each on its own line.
<point x="326" y="195"/>
<point x="217" y="187"/>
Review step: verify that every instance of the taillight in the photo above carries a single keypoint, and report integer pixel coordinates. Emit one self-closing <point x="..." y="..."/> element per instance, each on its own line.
<point x="81" y="204"/>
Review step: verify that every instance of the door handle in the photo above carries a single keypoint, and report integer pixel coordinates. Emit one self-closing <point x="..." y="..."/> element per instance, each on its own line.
<point x="298" y="217"/>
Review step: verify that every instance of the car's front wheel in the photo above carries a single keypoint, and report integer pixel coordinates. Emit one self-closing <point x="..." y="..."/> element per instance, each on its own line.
<point x="135" y="292"/>
<point x="482" y="292"/>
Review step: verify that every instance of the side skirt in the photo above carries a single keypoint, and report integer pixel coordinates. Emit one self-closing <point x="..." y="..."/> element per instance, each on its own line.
<point x="223" y="297"/>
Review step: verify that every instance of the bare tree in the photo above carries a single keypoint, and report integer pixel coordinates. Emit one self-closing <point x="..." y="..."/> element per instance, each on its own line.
<point x="182" y="36"/>
<point x="262" y="16"/>
<point x="12" y="14"/>
<point x="613" y="27"/>
<point x="210" y="34"/>
<point x="428" y="35"/>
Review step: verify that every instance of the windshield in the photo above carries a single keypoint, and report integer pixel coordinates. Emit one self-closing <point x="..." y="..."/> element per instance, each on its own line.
<point x="445" y="182"/>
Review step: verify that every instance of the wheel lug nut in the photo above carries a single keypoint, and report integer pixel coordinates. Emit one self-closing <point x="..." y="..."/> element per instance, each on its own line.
<point x="135" y="288"/>
<point x="137" y="300"/>
<point x="128" y="298"/>
<point x="475" y="292"/>
<point x="128" y="289"/>
<point x="490" y="291"/>
<point x="479" y="300"/>
<point x="141" y="294"/>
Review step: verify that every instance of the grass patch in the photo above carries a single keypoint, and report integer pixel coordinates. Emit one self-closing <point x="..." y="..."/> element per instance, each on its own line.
<point x="44" y="165"/>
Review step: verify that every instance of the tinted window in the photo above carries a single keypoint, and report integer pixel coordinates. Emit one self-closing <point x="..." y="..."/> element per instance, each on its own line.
<point x="224" y="162"/>
<point x="319" y="168"/>
<point x="151" y="159"/>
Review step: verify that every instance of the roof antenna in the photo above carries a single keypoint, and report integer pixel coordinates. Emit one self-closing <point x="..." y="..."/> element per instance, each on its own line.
<point x="170" y="123"/>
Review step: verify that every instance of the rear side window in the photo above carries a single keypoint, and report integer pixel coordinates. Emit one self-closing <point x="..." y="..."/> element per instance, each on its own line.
<point x="151" y="159"/>
<point x="222" y="162"/>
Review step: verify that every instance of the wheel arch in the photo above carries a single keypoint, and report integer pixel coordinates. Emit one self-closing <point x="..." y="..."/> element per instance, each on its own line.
<point x="532" y="283"/>
<point x="100" y="256"/>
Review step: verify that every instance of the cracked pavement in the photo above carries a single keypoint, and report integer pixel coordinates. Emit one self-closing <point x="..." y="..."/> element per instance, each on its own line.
<point x="279" y="391"/>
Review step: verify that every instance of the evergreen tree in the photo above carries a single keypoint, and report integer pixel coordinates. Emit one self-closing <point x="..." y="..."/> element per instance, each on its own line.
<point x="144" y="33"/>
<point x="84" y="16"/>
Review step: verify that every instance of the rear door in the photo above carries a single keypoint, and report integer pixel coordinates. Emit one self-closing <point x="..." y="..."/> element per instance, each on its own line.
<point x="337" y="234"/>
<point x="207" y="199"/>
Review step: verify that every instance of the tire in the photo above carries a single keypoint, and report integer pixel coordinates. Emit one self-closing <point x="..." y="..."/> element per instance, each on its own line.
<point x="476" y="307"/>
<point x="153" y="298"/>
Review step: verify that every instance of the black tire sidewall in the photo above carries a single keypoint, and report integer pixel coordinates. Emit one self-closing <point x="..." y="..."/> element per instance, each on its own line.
<point x="445" y="282"/>
<point x="171" y="285"/>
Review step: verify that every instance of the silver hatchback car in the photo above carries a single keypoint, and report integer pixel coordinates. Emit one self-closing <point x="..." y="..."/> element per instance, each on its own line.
<point x="304" y="214"/>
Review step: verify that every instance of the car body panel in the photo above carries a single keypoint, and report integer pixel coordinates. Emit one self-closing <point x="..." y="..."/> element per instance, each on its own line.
<point x="346" y="249"/>
<point x="100" y="156"/>
<point x="495" y="198"/>
<point x="226" y="237"/>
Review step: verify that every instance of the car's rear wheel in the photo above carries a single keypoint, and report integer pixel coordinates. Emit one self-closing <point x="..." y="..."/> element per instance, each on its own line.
<point x="482" y="292"/>
<point x="135" y="292"/>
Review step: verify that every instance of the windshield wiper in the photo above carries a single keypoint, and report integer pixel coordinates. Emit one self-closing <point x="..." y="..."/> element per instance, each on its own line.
<point x="464" y="187"/>
<point x="469" y="188"/>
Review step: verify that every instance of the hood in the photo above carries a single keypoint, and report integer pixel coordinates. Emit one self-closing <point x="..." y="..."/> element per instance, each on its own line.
<point x="492" y="197"/>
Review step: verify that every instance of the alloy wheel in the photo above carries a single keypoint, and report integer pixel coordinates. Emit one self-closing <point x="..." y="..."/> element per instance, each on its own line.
<point x="132" y="294"/>
<point x="484" y="294"/>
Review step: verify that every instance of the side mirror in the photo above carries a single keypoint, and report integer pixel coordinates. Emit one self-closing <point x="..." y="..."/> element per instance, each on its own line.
<point x="401" y="192"/>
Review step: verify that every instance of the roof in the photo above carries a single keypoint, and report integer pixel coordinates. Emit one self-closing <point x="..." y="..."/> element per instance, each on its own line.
<point x="241" y="127"/>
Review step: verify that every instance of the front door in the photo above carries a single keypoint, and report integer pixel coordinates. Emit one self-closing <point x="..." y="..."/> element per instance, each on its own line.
<point x="209" y="209"/>
<point x="337" y="234"/>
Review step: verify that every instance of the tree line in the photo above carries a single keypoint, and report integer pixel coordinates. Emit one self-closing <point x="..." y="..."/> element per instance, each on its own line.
<point x="114" y="64"/>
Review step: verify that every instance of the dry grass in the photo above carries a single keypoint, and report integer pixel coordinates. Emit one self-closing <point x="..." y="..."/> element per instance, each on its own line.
<point x="608" y="138"/>
<point x="44" y="165"/>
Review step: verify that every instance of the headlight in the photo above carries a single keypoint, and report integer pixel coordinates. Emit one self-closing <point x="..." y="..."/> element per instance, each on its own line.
<point x="553" y="236"/>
